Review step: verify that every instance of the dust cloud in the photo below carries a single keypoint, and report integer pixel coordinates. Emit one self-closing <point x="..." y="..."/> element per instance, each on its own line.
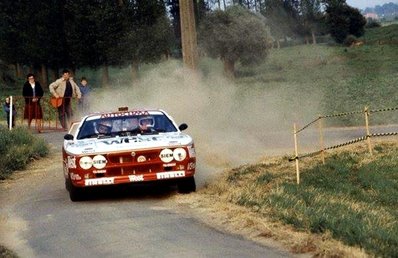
<point x="231" y="125"/>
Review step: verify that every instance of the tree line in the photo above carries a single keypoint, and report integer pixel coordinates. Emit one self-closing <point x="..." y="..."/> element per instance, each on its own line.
<point x="49" y="35"/>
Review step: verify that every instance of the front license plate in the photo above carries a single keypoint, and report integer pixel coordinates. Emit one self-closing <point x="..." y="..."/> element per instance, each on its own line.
<point x="171" y="174"/>
<point x="99" y="181"/>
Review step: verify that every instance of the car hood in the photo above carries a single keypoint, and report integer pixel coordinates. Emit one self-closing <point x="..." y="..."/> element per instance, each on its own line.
<point x="118" y="144"/>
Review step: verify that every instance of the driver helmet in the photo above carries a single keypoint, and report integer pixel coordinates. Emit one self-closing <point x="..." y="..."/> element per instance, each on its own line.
<point x="147" y="121"/>
<point x="104" y="126"/>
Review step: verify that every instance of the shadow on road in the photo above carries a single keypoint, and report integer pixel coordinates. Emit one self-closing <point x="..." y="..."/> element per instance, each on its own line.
<point x="147" y="191"/>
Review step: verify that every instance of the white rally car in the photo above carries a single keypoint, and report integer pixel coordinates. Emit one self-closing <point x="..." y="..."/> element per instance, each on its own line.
<point x="128" y="146"/>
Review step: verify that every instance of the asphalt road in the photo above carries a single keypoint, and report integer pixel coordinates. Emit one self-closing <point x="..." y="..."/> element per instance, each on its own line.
<point x="37" y="219"/>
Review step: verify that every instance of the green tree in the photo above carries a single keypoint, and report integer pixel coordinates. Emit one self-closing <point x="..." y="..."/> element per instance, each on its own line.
<point x="148" y="34"/>
<point x="93" y="30"/>
<point x="32" y="34"/>
<point x="234" y="35"/>
<point x="282" y="17"/>
<point x="343" y="20"/>
<point x="201" y="7"/>
<point x="78" y="33"/>
<point x="174" y="10"/>
<point x="47" y="47"/>
<point x="11" y="37"/>
<point x="311" y="16"/>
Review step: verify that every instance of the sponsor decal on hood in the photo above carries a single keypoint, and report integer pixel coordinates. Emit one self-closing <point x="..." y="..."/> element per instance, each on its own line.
<point x="87" y="146"/>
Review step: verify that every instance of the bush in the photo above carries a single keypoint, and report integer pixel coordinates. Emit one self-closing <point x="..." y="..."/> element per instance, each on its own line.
<point x="372" y="24"/>
<point x="349" y="40"/>
<point x="17" y="148"/>
<point x="6" y="253"/>
<point x="342" y="20"/>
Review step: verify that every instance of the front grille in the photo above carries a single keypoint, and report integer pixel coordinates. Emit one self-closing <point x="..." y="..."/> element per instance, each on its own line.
<point x="134" y="170"/>
<point x="128" y="164"/>
<point x="150" y="156"/>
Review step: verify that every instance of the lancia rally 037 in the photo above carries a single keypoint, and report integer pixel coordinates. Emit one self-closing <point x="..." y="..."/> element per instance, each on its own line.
<point x="127" y="147"/>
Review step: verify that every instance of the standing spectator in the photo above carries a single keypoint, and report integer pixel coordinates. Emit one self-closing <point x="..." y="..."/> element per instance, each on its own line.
<point x="66" y="89"/>
<point x="84" y="101"/>
<point x="32" y="92"/>
<point x="6" y="109"/>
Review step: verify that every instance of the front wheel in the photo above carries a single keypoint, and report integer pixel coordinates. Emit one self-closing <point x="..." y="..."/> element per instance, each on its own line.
<point x="75" y="193"/>
<point x="67" y="185"/>
<point x="186" y="185"/>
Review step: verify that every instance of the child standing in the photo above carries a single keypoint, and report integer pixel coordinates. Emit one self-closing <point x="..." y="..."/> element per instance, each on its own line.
<point x="7" y="110"/>
<point x="83" y="103"/>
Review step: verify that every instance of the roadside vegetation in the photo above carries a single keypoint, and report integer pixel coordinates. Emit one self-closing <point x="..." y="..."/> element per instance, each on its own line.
<point x="352" y="198"/>
<point x="6" y="253"/>
<point x="18" y="147"/>
<point x="383" y="35"/>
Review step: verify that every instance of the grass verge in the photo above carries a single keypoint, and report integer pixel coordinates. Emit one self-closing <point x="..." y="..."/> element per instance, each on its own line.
<point x="352" y="199"/>
<point x="17" y="148"/>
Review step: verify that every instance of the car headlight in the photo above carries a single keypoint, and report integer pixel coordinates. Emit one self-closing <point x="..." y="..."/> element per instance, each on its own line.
<point x="99" y="162"/>
<point x="179" y="154"/>
<point x="166" y="155"/>
<point x="86" y="162"/>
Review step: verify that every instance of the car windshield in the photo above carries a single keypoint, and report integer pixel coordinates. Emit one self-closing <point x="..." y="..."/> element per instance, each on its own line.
<point x="125" y="125"/>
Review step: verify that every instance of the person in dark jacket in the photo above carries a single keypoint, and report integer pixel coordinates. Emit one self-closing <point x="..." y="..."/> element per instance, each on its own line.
<point x="7" y="111"/>
<point x="83" y="103"/>
<point x="32" y="92"/>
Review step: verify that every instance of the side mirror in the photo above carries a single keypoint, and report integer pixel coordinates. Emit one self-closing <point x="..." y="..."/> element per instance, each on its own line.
<point x="68" y="137"/>
<point x="183" y="127"/>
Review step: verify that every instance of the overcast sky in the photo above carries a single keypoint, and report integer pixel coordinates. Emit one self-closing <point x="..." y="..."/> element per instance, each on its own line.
<point x="362" y="4"/>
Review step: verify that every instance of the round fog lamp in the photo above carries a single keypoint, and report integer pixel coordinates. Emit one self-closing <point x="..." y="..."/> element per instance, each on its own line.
<point x="99" y="162"/>
<point x="166" y="155"/>
<point x="86" y="162"/>
<point x="179" y="154"/>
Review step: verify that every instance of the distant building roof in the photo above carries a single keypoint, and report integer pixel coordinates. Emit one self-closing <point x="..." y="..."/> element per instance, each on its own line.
<point x="371" y="16"/>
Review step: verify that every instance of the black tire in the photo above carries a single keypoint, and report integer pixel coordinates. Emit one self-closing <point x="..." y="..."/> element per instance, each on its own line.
<point x="75" y="193"/>
<point x="67" y="185"/>
<point x="186" y="185"/>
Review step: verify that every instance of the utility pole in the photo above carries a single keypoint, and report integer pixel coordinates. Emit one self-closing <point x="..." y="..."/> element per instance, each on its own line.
<point x="188" y="34"/>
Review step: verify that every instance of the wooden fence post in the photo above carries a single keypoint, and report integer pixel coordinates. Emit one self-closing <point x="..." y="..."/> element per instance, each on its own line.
<point x="366" y="110"/>
<point x="321" y="142"/>
<point x="296" y="153"/>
